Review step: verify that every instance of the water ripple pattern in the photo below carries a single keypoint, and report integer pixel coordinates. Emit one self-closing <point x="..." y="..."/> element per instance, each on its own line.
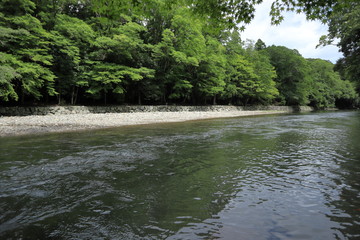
<point x="270" y="177"/>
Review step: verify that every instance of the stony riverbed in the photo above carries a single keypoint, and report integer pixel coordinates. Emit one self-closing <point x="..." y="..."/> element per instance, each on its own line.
<point x="20" y="125"/>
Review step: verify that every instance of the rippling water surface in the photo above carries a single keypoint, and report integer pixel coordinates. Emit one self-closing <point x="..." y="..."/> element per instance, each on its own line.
<point x="269" y="177"/>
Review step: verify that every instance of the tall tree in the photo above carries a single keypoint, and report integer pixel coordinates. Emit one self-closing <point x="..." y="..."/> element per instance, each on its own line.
<point x="179" y="54"/>
<point x="344" y="27"/>
<point x="249" y="75"/>
<point x="327" y="88"/>
<point x="25" y="46"/>
<point x="72" y="41"/>
<point x="292" y="75"/>
<point x="259" y="45"/>
<point x="116" y="62"/>
<point x="266" y="91"/>
<point x="159" y="51"/>
<point x="210" y="75"/>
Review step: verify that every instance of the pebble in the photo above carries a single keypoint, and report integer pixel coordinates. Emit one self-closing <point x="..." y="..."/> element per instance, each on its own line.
<point x="23" y="125"/>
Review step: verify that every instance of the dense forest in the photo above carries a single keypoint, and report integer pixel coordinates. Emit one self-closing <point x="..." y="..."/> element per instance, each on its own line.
<point x="165" y="52"/>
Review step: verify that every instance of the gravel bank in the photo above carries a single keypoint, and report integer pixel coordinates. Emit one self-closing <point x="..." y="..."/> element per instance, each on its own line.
<point x="11" y="126"/>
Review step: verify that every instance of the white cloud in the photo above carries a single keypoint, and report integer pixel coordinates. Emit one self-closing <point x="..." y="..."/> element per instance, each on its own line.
<point x="295" y="32"/>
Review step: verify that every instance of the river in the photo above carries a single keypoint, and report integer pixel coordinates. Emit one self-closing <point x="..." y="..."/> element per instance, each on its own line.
<point x="293" y="176"/>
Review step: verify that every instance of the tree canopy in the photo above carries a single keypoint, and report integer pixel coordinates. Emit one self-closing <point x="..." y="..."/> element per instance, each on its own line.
<point x="166" y="51"/>
<point x="344" y="27"/>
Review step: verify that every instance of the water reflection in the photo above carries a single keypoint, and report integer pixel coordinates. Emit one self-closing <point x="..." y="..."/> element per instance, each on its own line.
<point x="274" y="177"/>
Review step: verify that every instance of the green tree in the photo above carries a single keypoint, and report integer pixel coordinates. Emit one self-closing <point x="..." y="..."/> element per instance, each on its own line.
<point x="71" y="43"/>
<point x="116" y="62"/>
<point x="292" y="75"/>
<point x="241" y="82"/>
<point x="259" y="45"/>
<point x="249" y="75"/>
<point x="232" y="13"/>
<point x="210" y="75"/>
<point x="170" y="68"/>
<point x="344" y="27"/>
<point x="25" y="46"/>
<point x="327" y="88"/>
<point x="157" y="15"/>
<point x="8" y="76"/>
<point x="266" y="91"/>
<point x="159" y="51"/>
<point x="179" y="54"/>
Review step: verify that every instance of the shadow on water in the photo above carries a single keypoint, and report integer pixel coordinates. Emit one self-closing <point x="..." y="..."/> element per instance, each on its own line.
<point x="273" y="177"/>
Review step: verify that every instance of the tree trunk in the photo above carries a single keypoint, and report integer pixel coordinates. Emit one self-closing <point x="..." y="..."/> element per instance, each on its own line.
<point x="139" y="99"/>
<point x="74" y="94"/>
<point x="214" y="100"/>
<point x="246" y="102"/>
<point x="22" y="97"/>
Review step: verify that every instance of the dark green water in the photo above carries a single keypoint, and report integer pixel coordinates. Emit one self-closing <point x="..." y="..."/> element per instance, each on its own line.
<point x="269" y="177"/>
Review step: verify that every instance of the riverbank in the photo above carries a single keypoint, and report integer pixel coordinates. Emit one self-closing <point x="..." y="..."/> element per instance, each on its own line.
<point x="37" y="124"/>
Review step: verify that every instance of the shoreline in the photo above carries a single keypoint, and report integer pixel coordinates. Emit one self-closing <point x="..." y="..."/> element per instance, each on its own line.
<point x="42" y="124"/>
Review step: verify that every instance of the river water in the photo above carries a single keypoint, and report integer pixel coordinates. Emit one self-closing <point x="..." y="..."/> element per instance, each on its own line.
<point x="270" y="177"/>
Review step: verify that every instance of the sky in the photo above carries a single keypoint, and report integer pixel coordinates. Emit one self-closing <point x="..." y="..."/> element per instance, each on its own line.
<point x="295" y="32"/>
